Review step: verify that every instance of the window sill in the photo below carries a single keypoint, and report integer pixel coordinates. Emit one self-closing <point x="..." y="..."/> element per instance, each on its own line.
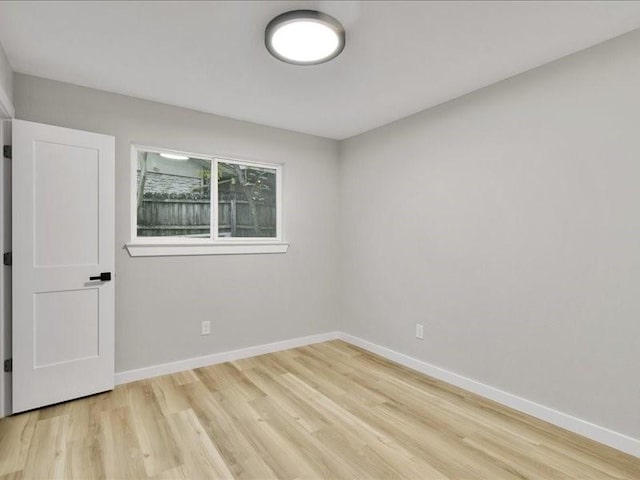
<point x="140" y="249"/>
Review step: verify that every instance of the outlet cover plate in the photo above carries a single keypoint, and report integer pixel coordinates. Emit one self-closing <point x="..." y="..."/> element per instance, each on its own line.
<point x="206" y="327"/>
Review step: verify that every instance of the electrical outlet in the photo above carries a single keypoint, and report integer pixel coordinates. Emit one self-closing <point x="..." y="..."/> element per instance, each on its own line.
<point x="206" y="327"/>
<point x="419" y="331"/>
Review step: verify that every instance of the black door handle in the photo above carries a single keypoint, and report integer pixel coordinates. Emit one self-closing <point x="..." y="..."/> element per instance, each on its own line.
<point x="103" y="277"/>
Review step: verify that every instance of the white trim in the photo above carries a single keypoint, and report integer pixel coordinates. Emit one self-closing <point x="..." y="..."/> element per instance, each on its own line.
<point x="5" y="274"/>
<point x="587" y="429"/>
<point x="197" y="362"/>
<point x="6" y="107"/>
<point x="137" y="249"/>
<point x="201" y="156"/>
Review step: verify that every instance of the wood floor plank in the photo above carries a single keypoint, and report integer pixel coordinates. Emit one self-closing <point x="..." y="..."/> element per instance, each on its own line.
<point x="85" y="441"/>
<point x="16" y="435"/>
<point x="302" y="412"/>
<point x="253" y="468"/>
<point x="12" y="476"/>
<point x="121" y="453"/>
<point x="159" y="449"/>
<point x="184" y="378"/>
<point x="311" y="448"/>
<point x="221" y="427"/>
<point x="169" y="395"/>
<point x="48" y="453"/>
<point x="200" y="456"/>
<point x="277" y="451"/>
<point x="177" y="473"/>
<point x="395" y="455"/>
<point x="324" y="411"/>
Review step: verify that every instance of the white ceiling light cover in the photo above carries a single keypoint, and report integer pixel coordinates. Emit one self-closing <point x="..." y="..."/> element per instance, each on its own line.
<point x="304" y="37"/>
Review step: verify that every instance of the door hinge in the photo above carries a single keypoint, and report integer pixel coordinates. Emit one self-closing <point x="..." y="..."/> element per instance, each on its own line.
<point x="6" y="151"/>
<point x="7" y="258"/>
<point x="8" y="365"/>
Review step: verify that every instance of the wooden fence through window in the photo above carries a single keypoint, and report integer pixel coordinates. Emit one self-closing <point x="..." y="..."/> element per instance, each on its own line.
<point x="189" y="215"/>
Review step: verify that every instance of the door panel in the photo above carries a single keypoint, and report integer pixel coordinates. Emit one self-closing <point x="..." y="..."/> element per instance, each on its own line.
<point x="60" y="317"/>
<point x="77" y="169"/>
<point x="63" y="233"/>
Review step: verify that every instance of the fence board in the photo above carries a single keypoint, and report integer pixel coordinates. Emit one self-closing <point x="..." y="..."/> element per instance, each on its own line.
<point x="189" y="215"/>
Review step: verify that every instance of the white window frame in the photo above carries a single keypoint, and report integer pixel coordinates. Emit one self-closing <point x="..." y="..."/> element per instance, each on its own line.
<point x="214" y="245"/>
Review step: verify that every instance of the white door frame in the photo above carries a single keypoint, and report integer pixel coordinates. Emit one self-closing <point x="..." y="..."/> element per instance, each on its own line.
<point x="6" y="107"/>
<point x="7" y="112"/>
<point x="5" y="271"/>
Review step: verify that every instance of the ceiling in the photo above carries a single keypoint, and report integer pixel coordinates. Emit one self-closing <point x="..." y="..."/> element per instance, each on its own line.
<point x="400" y="57"/>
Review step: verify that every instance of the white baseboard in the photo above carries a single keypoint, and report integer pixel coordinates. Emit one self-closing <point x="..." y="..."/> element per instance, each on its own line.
<point x="197" y="362"/>
<point x="587" y="429"/>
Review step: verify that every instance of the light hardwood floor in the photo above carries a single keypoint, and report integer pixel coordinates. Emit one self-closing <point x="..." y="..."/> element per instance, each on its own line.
<point x="328" y="410"/>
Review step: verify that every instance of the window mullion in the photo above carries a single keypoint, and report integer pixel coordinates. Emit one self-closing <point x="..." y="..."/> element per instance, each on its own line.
<point x="214" y="200"/>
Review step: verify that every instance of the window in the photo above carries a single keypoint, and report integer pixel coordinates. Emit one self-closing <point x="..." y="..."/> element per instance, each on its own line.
<point x="247" y="206"/>
<point x="173" y="195"/>
<point x="200" y="204"/>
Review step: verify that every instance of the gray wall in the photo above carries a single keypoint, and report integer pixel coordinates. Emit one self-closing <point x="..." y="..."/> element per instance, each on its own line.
<point x="508" y="223"/>
<point x="250" y="299"/>
<point x="6" y="75"/>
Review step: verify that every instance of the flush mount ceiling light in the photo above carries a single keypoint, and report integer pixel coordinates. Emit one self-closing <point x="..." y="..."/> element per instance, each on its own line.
<point x="304" y="37"/>
<point x="174" y="156"/>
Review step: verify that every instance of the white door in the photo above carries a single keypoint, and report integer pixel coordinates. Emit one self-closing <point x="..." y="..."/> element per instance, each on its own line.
<point x="63" y="240"/>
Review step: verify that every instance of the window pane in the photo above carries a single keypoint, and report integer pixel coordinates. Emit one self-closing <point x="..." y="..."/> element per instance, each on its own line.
<point x="246" y="201"/>
<point x="174" y="198"/>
